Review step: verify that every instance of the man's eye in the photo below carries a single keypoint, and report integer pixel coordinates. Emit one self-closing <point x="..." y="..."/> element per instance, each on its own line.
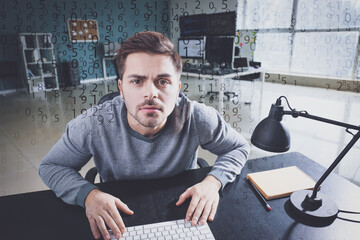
<point x="163" y="82"/>
<point x="136" y="82"/>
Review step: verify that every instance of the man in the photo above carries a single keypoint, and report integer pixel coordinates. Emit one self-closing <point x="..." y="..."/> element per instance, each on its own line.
<point x="151" y="130"/>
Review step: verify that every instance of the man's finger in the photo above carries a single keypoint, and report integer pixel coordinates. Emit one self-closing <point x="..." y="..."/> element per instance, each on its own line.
<point x="123" y="207"/>
<point x="205" y="213"/>
<point x="198" y="210"/>
<point x="119" y="223"/>
<point x="110" y="222"/>
<point x="183" y="197"/>
<point x="194" y="202"/>
<point x="94" y="228"/>
<point x="213" y="210"/>
<point x="101" y="225"/>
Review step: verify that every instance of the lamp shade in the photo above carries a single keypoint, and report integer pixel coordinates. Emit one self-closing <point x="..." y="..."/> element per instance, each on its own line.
<point x="271" y="134"/>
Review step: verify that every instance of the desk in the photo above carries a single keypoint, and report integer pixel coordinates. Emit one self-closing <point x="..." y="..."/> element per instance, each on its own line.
<point x="40" y="215"/>
<point x="221" y="79"/>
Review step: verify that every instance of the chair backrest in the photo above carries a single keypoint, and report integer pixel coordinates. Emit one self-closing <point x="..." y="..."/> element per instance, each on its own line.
<point x="108" y="96"/>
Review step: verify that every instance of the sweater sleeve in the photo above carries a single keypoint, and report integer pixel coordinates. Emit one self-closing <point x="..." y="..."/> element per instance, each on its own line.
<point x="60" y="168"/>
<point x="218" y="137"/>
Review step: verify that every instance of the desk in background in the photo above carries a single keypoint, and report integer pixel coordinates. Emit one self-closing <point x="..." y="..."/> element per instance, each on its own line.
<point x="239" y="100"/>
<point x="220" y="77"/>
<point x="41" y="215"/>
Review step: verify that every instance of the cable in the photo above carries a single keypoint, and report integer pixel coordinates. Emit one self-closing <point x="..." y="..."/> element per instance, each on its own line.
<point x="347" y="219"/>
<point x="292" y="109"/>
<point x="350" y="212"/>
<point x="348" y="131"/>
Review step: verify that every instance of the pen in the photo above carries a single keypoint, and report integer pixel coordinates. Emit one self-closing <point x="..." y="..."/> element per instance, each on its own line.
<point x="263" y="200"/>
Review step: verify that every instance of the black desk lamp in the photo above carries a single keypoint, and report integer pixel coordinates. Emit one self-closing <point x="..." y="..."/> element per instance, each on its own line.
<point x="272" y="135"/>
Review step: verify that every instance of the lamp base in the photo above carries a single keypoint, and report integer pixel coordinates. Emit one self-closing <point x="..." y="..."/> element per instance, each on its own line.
<point x="321" y="209"/>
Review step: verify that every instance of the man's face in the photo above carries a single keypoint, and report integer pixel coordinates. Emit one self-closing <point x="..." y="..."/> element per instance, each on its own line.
<point x="150" y="87"/>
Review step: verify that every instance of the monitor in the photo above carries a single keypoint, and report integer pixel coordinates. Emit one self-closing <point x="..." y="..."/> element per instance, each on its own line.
<point x="111" y="48"/>
<point x="193" y="25"/>
<point x="219" y="50"/>
<point x="221" y="24"/>
<point x="191" y="48"/>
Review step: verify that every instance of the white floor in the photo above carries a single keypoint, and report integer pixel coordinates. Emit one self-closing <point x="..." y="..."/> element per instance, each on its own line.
<point x="31" y="124"/>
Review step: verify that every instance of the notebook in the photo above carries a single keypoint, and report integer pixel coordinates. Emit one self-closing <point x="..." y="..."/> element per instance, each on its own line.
<point x="281" y="182"/>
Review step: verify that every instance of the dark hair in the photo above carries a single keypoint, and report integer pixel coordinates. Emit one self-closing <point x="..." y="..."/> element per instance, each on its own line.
<point x="148" y="42"/>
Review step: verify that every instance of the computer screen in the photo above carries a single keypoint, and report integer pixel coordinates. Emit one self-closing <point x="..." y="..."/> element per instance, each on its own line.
<point x="191" y="48"/>
<point x="219" y="49"/>
<point x="221" y="24"/>
<point x="111" y="48"/>
<point x="193" y="25"/>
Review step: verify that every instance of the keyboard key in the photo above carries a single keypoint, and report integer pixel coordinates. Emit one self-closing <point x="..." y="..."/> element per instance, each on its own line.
<point x="180" y="221"/>
<point x="182" y="235"/>
<point x="209" y="236"/>
<point x="138" y="228"/>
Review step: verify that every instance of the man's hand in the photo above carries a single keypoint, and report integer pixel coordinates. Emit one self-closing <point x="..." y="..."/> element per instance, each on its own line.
<point x="204" y="200"/>
<point x="102" y="208"/>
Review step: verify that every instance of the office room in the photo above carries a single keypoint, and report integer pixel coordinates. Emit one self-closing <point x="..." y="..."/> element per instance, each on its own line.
<point x="294" y="64"/>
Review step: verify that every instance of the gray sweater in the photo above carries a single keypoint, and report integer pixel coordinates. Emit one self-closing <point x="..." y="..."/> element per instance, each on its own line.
<point x="119" y="152"/>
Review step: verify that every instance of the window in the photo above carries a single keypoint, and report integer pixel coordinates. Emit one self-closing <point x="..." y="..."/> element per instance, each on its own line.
<point x="318" y="37"/>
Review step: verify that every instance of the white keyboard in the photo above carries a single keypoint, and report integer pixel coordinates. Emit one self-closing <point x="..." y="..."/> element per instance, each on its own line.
<point x="177" y="229"/>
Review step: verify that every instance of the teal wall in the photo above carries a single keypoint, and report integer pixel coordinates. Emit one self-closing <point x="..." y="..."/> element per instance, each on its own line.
<point x="117" y="20"/>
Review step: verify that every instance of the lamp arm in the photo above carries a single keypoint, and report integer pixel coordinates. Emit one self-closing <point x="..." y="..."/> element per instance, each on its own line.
<point x="355" y="138"/>
<point x="335" y="163"/>
<point x="296" y="114"/>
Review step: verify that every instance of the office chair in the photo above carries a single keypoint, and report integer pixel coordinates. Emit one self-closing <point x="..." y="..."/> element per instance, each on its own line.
<point x="91" y="173"/>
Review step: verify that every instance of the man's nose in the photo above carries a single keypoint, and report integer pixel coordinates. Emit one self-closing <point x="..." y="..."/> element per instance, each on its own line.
<point x="151" y="91"/>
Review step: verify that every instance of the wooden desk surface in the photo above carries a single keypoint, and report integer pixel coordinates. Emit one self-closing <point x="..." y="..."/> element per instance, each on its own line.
<point x="240" y="215"/>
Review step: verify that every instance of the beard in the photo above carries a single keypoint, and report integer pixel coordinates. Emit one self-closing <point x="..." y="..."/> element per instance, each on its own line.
<point x="150" y="120"/>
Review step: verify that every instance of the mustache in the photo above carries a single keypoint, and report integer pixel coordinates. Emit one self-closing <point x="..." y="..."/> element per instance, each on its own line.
<point x="151" y="102"/>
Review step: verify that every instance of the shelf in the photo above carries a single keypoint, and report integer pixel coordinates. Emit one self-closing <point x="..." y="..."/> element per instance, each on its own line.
<point x="48" y="75"/>
<point x="36" y="77"/>
<point x="39" y="61"/>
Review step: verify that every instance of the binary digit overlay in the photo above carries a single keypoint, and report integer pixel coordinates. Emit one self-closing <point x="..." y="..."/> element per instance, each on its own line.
<point x="57" y="62"/>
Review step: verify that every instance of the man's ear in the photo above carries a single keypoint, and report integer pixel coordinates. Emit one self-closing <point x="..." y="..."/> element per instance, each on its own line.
<point x="120" y="87"/>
